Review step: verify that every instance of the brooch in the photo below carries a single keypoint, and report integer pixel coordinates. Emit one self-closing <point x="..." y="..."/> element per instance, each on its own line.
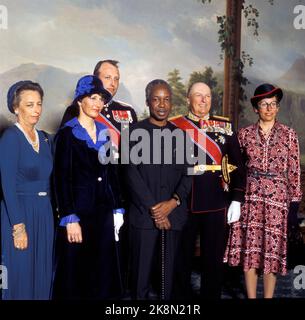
<point x="222" y="139"/>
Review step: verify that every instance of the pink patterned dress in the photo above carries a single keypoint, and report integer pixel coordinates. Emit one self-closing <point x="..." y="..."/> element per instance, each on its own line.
<point x="258" y="239"/>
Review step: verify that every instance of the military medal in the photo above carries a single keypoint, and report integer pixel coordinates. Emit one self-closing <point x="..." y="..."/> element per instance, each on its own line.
<point x="122" y="116"/>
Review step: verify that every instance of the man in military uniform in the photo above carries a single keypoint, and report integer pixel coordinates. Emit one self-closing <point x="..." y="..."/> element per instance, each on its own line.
<point x="116" y="114"/>
<point x="217" y="190"/>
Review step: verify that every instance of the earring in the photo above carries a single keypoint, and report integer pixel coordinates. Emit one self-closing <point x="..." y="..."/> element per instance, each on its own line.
<point x="16" y="113"/>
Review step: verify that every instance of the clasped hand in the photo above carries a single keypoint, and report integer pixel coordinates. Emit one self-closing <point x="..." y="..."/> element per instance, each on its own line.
<point x="160" y="213"/>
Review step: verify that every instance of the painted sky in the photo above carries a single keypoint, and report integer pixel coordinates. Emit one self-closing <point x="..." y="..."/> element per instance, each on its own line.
<point x="149" y="38"/>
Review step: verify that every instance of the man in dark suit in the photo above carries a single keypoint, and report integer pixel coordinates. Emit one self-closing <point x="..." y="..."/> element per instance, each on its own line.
<point x="158" y="191"/>
<point x="217" y="191"/>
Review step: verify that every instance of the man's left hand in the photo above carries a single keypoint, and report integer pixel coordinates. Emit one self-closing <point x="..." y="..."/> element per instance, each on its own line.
<point x="163" y="209"/>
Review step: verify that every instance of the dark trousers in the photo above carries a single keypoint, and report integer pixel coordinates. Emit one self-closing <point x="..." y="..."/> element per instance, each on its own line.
<point x="213" y="235"/>
<point x="146" y="246"/>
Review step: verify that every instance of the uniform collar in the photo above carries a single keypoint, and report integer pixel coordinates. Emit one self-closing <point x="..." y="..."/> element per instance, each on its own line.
<point x="109" y="103"/>
<point x="195" y="118"/>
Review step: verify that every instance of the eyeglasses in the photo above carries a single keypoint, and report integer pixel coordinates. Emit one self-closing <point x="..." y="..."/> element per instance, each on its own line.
<point x="265" y="105"/>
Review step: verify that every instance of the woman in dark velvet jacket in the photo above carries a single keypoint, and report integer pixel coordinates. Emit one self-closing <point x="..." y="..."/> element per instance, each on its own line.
<point x="87" y="265"/>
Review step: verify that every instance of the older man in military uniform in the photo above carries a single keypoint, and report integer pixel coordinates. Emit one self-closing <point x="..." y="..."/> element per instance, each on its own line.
<point x="217" y="191"/>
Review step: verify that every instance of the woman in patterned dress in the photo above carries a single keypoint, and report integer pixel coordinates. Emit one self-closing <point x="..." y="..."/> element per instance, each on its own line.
<point x="258" y="241"/>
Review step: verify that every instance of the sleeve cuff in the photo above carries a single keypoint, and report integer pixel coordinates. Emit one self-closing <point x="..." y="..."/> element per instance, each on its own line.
<point x="238" y="195"/>
<point x="68" y="219"/>
<point x="120" y="210"/>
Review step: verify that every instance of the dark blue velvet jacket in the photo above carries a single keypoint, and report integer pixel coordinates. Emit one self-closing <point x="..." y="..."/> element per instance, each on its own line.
<point x="83" y="185"/>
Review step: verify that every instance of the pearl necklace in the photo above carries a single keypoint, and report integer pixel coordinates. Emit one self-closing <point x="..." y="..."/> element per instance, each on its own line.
<point x="34" y="144"/>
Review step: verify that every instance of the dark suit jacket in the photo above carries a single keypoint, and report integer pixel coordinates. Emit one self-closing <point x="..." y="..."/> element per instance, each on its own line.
<point x="150" y="184"/>
<point x="82" y="183"/>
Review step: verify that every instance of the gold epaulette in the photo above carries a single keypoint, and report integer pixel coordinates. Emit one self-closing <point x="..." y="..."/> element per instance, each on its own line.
<point x="221" y="117"/>
<point x="175" y="117"/>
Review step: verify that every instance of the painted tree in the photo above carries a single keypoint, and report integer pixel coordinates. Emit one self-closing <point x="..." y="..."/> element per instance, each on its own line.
<point x="144" y="115"/>
<point x="179" y="89"/>
<point x="206" y="76"/>
<point x="235" y="60"/>
<point x="179" y="92"/>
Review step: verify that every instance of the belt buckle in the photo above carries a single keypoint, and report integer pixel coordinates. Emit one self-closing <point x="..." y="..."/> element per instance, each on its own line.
<point x="42" y="194"/>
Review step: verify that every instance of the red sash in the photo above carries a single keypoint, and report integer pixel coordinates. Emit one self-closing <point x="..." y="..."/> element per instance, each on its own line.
<point x="115" y="134"/>
<point x="200" y="138"/>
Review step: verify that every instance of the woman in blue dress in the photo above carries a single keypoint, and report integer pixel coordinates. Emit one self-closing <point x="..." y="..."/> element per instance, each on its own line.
<point x="26" y="212"/>
<point x="88" y="200"/>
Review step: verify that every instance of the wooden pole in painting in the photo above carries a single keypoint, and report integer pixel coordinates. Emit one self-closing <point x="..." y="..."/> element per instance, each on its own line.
<point x="231" y="76"/>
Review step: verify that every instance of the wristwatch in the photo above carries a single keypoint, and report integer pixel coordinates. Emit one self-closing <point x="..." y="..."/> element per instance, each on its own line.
<point x="176" y="197"/>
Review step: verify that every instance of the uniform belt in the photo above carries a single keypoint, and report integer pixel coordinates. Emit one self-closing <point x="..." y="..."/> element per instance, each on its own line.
<point x="256" y="174"/>
<point x="207" y="167"/>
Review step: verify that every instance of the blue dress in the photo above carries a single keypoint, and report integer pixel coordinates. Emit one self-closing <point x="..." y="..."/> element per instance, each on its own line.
<point x="25" y="176"/>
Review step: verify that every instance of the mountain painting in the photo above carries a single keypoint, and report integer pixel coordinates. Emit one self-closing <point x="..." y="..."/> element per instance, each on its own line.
<point x="55" y="42"/>
<point x="232" y="45"/>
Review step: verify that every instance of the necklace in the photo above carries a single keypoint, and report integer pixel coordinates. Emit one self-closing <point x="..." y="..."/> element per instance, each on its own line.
<point x="93" y="133"/>
<point x="266" y="132"/>
<point x="35" y="143"/>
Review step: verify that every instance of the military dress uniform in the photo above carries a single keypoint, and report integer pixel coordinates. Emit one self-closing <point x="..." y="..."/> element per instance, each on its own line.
<point x="216" y="183"/>
<point x="117" y="116"/>
<point x="118" y="112"/>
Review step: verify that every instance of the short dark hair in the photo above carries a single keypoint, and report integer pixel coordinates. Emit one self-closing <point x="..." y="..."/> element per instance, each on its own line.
<point x="98" y="65"/>
<point x="154" y="83"/>
<point x="32" y="86"/>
